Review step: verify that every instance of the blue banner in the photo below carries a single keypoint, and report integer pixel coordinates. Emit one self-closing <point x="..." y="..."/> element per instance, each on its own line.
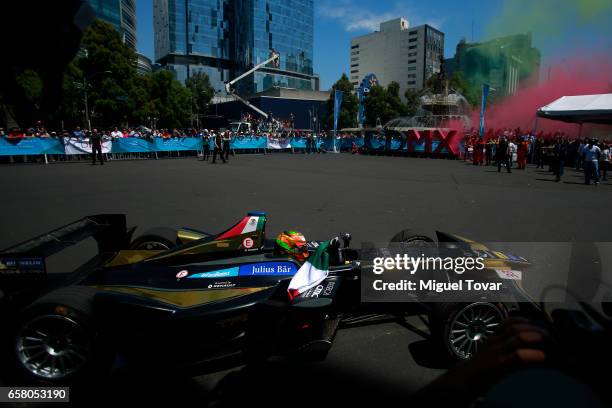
<point x="30" y="146"/>
<point x="337" y="105"/>
<point x="248" y="142"/>
<point x="483" y="105"/>
<point x="177" y="144"/>
<point x="132" y="145"/>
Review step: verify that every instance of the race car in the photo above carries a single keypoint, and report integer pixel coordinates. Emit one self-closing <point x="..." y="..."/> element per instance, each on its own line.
<point x="198" y="300"/>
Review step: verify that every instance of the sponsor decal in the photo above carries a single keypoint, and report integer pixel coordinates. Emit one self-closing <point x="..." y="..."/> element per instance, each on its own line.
<point x="221" y="273"/>
<point x="221" y="285"/>
<point x="509" y="274"/>
<point x="268" y="269"/>
<point x="247" y="243"/>
<point x="222" y="244"/>
<point x="325" y="289"/>
<point x="182" y="274"/>
<point x="26" y="265"/>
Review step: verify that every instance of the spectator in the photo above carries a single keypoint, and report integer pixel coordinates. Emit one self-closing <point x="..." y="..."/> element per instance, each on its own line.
<point x="503" y="152"/>
<point x="590" y="157"/>
<point x="205" y="145"/>
<point x="604" y="160"/>
<point x="95" y="139"/>
<point x="116" y="134"/>
<point x="560" y="156"/>
<point x="226" y="145"/>
<point x="218" y="148"/>
<point x="78" y="134"/>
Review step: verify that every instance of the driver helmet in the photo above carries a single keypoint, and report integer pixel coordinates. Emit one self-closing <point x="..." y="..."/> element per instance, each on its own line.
<point x="292" y="243"/>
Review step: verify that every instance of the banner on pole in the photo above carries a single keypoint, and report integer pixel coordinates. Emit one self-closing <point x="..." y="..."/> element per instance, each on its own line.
<point x="483" y="105"/>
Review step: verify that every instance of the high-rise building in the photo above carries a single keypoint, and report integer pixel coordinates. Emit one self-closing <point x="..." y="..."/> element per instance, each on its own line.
<point x="225" y="38"/>
<point x="121" y="14"/>
<point x="143" y="64"/>
<point x="193" y="36"/>
<point x="400" y="53"/>
<point x="505" y="63"/>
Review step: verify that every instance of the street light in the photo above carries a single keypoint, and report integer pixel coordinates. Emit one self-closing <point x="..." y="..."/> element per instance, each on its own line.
<point x="85" y="86"/>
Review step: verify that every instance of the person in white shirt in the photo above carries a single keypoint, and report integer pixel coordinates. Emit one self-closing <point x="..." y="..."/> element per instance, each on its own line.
<point x="590" y="155"/>
<point x="604" y="160"/>
<point x="116" y="134"/>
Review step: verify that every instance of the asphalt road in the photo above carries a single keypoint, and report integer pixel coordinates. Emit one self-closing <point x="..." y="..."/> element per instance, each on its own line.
<point x="320" y="195"/>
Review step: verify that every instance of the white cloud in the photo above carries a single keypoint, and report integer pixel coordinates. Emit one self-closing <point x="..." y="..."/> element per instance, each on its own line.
<point x="355" y="17"/>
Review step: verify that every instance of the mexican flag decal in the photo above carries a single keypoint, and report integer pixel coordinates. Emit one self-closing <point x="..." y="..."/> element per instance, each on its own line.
<point x="311" y="273"/>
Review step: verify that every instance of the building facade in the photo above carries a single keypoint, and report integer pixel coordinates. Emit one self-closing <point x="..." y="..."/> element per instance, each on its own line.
<point x="397" y="52"/>
<point x="143" y="64"/>
<point x="505" y="63"/>
<point x="225" y="38"/>
<point x="121" y="14"/>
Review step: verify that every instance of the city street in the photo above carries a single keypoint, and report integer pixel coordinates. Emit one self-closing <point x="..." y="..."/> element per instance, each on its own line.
<point x="319" y="195"/>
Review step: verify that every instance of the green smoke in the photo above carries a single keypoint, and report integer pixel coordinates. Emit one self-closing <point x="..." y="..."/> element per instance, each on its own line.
<point x="550" y="17"/>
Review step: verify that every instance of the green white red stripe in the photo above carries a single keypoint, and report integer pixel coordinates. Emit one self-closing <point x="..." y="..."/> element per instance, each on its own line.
<point x="247" y="224"/>
<point x="311" y="273"/>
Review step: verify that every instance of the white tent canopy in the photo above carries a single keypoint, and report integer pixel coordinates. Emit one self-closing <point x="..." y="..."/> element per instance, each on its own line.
<point x="580" y="109"/>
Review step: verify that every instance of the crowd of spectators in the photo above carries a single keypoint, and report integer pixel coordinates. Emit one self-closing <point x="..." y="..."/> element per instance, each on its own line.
<point x="556" y="151"/>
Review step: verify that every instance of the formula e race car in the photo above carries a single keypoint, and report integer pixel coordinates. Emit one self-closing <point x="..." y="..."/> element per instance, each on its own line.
<point x="193" y="299"/>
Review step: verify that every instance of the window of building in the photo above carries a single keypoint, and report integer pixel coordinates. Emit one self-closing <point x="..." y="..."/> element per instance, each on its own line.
<point x="411" y="75"/>
<point x="354" y="59"/>
<point x="355" y="46"/>
<point x="412" y="40"/>
<point x="354" y="71"/>
<point x="412" y="47"/>
<point x="411" y="68"/>
<point x="412" y="54"/>
<point x="411" y="82"/>
<point x="355" y="77"/>
<point x="412" y="61"/>
<point x="414" y="32"/>
<point x="354" y="65"/>
<point x="355" y="53"/>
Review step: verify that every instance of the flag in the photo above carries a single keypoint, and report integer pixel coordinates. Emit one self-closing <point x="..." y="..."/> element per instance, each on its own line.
<point x="483" y="105"/>
<point x="337" y="105"/>
<point x="313" y="272"/>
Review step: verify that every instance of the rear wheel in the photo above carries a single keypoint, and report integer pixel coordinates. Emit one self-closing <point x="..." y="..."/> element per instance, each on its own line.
<point x="56" y="340"/>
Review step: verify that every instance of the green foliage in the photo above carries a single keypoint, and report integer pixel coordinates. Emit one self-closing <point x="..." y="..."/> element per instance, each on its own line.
<point x="348" y="109"/>
<point x="466" y="88"/>
<point x="384" y="104"/>
<point x="202" y="91"/>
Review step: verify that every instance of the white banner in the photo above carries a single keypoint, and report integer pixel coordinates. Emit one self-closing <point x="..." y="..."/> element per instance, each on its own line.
<point x="278" y="143"/>
<point x="82" y="146"/>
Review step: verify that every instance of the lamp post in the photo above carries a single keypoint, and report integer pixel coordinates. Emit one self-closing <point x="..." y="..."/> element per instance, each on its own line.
<point x="85" y="86"/>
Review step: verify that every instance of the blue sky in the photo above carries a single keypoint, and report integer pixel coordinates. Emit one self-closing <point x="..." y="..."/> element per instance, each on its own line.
<point x="557" y="29"/>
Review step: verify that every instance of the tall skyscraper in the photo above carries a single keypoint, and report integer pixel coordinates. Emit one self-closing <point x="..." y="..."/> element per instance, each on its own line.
<point x="225" y="38"/>
<point x="398" y="52"/>
<point x="121" y="14"/>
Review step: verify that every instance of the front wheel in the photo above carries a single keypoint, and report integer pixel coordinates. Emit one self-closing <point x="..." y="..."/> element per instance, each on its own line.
<point x="461" y="329"/>
<point x="159" y="239"/>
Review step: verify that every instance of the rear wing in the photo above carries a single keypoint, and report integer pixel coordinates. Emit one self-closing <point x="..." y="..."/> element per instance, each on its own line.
<point x="24" y="263"/>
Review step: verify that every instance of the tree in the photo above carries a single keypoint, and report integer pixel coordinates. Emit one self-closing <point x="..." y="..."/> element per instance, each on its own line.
<point x="108" y="69"/>
<point x="169" y="100"/>
<point x="348" y="110"/>
<point x="413" y="101"/>
<point x="201" y="90"/>
<point x="459" y="83"/>
<point x="383" y="104"/>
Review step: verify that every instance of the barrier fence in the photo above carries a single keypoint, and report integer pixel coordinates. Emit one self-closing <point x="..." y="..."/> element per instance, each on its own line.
<point x="72" y="146"/>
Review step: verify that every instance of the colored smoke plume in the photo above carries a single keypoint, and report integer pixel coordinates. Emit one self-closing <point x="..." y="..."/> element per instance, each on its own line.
<point x="550" y="18"/>
<point x="581" y="76"/>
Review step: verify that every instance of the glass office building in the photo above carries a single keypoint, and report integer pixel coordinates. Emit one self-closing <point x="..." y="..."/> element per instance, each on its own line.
<point x="225" y="38"/>
<point x="121" y="14"/>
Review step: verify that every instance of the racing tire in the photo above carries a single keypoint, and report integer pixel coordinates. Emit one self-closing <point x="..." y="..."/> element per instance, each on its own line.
<point x="56" y="340"/>
<point x="415" y="237"/>
<point x="156" y="239"/>
<point x="460" y="329"/>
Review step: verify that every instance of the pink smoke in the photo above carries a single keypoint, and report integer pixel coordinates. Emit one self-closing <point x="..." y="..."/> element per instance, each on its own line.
<point x="580" y="76"/>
